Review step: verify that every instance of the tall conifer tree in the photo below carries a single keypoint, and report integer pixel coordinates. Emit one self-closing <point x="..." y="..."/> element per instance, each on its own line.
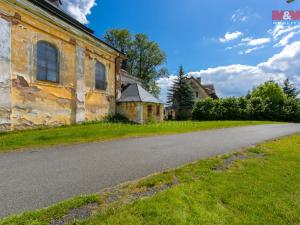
<point x="290" y="89"/>
<point x="181" y="96"/>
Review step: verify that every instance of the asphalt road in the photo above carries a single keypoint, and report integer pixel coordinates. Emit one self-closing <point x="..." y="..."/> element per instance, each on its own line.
<point x="35" y="179"/>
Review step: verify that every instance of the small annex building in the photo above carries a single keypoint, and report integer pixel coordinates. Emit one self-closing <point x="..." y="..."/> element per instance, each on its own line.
<point x="137" y="104"/>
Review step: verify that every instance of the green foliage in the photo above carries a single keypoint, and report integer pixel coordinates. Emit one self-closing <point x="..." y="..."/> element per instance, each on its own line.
<point x="181" y="96"/>
<point x="145" y="58"/>
<point x="290" y="89"/>
<point x="120" y="39"/>
<point x="117" y="118"/>
<point x="271" y="92"/>
<point x="267" y="102"/>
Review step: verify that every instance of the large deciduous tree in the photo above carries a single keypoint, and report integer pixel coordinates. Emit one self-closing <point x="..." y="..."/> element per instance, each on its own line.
<point x="145" y="58"/>
<point x="120" y="39"/>
<point x="181" y="96"/>
<point x="269" y="91"/>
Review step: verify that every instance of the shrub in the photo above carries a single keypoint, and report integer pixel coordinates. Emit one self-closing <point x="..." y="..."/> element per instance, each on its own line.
<point x="255" y="108"/>
<point x="117" y="118"/>
<point x="266" y="102"/>
<point x="205" y="110"/>
<point x="183" y="115"/>
<point x="291" y="110"/>
<point x="270" y="91"/>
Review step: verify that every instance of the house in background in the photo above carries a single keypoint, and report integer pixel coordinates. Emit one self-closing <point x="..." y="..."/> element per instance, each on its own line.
<point x="53" y="70"/>
<point x="201" y="91"/>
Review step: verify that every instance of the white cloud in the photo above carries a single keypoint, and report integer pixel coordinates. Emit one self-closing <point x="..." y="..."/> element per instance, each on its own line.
<point x="258" y="41"/>
<point x="79" y="9"/>
<point x="165" y="84"/>
<point x="250" y="50"/>
<point x="283" y="34"/>
<point x="286" y="39"/>
<point x="239" y="16"/>
<point x="279" y="36"/>
<point x="280" y="30"/>
<point x="231" y="36"/>
<point x="236" y="80"/>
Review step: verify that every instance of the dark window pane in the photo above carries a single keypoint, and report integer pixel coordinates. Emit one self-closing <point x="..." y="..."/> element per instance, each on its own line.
<point x="42" y="62"/>
<point x="51" y="65"/>
<point x="41" y="74"/>
<point x="100" y="76"/>
<point x="47" y="62"/>
<point x="51" y="75"/>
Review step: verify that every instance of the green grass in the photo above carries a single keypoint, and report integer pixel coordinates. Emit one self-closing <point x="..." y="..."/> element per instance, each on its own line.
<point x="260" y="191"/>
<point x="104" y="131"/>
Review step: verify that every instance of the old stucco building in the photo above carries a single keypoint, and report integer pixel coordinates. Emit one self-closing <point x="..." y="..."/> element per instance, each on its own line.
<point x="53" y="70"/>
<point x="202" y="91"/>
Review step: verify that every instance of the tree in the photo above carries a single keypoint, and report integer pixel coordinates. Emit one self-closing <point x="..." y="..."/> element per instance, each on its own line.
<point x="181" y="96"/>
<point x="269" y="91"/>
<point x="290" y="89"/>
<point x="120" y="39"/>
<point x="145" y="58"/>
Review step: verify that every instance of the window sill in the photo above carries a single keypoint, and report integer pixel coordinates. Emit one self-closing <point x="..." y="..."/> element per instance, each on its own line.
<point x="47" y="83"/>
<point x="100" y="91"/>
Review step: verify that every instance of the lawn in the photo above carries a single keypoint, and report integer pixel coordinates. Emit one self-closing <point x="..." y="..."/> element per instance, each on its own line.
<point x="104" y="131"/>
<point x="260" y="185"/>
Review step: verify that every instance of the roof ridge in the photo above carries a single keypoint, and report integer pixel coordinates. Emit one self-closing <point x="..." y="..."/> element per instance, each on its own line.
<point x="138" y="90"/>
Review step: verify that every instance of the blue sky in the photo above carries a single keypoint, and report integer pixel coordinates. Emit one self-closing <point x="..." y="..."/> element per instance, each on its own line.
<point x="231" y="37"/>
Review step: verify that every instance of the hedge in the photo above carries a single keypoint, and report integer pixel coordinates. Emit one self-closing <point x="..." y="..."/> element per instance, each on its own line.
<point x="254" y="108"/>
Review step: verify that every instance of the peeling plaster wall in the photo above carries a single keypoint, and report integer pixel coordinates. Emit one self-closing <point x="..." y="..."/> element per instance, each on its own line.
<point x="157" y="112"/>
<point x="80" y="89"/>
<point x="37" y="103"/>
<point x="31" y="103"/>
<point x="138" y="111"/>
<point x="5" y="74"/>
<point x="132" y="110"/>
<point x="99" y="103"/>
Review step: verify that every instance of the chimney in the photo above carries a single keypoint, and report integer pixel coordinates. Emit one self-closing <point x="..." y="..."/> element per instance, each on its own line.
<point x="57" y="3"/>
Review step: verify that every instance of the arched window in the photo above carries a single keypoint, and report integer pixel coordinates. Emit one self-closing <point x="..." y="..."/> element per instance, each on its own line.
<point x="47" y="62"/>
<point x="100" y="76"/>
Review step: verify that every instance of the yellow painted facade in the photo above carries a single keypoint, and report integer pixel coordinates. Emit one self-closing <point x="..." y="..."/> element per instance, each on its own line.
<point x="142" y="112"/>
<point x="31" y="103"/>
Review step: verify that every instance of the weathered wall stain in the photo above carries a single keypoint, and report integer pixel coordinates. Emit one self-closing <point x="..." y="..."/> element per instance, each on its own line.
<point x="5" y="75"/>
<point x="138" y="112"/>
<point x="80" y="112"/>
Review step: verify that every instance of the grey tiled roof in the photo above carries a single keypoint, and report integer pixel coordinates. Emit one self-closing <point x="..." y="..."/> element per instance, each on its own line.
<point x="136" y="93"/>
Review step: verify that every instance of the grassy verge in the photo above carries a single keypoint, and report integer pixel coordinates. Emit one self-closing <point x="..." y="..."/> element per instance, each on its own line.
<point x="260" y="186"/>
<point x="104" y="131"/>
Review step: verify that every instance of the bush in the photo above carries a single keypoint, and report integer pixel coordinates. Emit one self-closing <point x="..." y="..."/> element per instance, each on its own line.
<point x="117" y="118"/>
<point x="205" y="110"/>
<point x="183" y="115"/>
<point x="254" y="108"/>
<point x="266" y="102"/>
<point x="291" y="110"/>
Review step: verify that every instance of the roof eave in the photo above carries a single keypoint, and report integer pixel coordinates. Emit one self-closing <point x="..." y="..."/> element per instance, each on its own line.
<point x="47" y="6"/>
